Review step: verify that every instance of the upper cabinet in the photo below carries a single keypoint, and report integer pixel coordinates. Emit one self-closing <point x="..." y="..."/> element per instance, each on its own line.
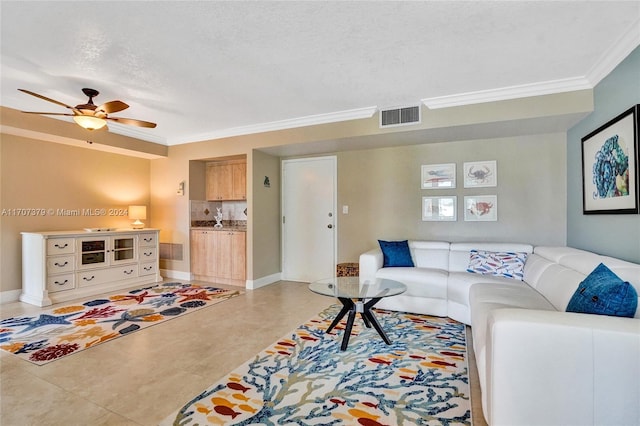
<point x="227" y="180"/>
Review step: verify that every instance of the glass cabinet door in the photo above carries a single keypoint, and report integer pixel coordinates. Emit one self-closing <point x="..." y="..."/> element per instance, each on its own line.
<point x="93" y="253"/>
<point x="123" y="249"/>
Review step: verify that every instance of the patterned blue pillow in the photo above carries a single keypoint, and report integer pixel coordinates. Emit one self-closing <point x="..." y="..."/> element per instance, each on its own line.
<point x="603" y="293"/>
<point x="502" y="264"/>
<point x="395" y="253"/>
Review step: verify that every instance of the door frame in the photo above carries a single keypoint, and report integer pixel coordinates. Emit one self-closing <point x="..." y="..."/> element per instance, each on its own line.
<point x="334" y="202"/>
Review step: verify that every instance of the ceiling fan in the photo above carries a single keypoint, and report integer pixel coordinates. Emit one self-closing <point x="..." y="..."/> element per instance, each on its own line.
<point x="90" y="116"/>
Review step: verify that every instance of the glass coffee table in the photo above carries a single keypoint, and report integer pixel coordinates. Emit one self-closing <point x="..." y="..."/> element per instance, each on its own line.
<point x="357" y="297"/>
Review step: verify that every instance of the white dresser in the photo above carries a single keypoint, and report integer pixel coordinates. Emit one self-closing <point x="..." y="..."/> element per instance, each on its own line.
<point x="63" y="265"/>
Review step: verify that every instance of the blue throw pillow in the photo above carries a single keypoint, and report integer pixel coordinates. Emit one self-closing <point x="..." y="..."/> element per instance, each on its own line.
<point x="604" y="293"/>
<point x="395" y="253"/>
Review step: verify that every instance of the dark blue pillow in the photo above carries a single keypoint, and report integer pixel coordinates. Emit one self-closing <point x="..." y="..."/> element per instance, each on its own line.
<point x="395" y="253"/>
<point x="604" y="293"/>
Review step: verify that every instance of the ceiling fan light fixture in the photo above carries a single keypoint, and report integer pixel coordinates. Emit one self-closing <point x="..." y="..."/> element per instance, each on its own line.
<point x="89" y="122"/>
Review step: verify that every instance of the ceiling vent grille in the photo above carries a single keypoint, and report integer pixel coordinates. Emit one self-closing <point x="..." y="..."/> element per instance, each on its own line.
<point x="400" y="116"/>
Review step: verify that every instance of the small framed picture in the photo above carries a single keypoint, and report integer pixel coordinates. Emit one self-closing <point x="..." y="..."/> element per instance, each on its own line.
<point x="481" y="208"/>
<point x="439" y="176"/>
<point x="480" y="174"/>
<point x="440" y="208"/>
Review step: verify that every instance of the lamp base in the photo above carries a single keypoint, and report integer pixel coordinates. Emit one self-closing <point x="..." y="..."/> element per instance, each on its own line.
<point x="137" y="224"/>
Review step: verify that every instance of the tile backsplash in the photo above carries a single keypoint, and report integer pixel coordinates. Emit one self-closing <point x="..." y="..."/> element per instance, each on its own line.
<point x="206" y="210"/>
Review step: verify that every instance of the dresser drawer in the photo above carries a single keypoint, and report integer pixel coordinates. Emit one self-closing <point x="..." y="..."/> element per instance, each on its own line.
<point x="147" y="240"/>
<point x="57" y="246"/>
<point x="101" y="276"/>
<point x="148" y="268"/>
<point x="60" y="282"/>
<point x="147" y="254"/>
<point x="60" y="264"/>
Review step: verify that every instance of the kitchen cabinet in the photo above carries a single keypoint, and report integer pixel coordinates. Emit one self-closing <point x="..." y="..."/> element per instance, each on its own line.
<point x="226" y="180"/>
<point x="59" y="266"/>
<point x="218" y="255"/>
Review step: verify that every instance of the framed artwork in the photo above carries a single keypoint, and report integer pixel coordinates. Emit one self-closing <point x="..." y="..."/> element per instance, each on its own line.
<point x="480" y="174"/>
<point x="440" y="208"/>
<point x="439" y="176"/>
<point x="610" y="166"/>
<point x="481" y="208"/>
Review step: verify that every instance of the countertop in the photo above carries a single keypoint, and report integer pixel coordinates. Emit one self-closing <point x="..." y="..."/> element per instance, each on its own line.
<point x="224" y="228"/>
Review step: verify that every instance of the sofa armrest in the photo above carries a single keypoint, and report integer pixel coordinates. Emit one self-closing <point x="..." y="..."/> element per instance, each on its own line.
<point x="559" y="368"/>
<point x="370" y="262"/>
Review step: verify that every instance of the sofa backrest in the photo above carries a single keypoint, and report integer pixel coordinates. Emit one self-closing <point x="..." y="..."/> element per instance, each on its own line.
<point x="459" y="253"/>
<point x="556" y="272"/>
<point x="430" y="254"/>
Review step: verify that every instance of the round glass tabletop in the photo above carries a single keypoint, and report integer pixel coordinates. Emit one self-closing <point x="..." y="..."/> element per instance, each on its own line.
<point x="357" y="288"/>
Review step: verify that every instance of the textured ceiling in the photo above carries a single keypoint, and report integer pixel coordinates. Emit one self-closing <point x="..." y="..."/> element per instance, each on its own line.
<point x="203" y="68"/>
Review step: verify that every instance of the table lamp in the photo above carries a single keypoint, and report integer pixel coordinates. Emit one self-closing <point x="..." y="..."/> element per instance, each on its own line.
<point x="137" y="213"/>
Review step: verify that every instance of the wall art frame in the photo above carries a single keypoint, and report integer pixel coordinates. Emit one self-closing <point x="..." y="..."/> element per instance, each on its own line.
<point x="478" y="174"/>
<point x="481" y="208"/>
<point x="440" y="209"/>
<point x="438" y="176"/>
<point x="610" y="166"/>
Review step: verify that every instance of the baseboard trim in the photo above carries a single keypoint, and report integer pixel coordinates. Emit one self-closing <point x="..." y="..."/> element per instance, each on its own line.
<point x="175" y="275"/>
<point x="9" y="296"/>
<point x="263" y="281"/>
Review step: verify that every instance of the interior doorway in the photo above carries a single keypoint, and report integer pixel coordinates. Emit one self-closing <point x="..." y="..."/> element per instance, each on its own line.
<point x="309" y="187"/>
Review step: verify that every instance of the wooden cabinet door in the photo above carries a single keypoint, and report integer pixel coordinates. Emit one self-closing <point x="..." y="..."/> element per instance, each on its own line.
<point x="238" y="255"/>
<point x="219" y="182"/>
<point x="224" y="256"/>
<point x="239" y="175"/>
<point x="204" y="249"/>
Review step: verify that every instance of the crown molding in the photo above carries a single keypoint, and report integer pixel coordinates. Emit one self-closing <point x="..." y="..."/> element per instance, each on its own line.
<point x="135" y="132"/>
<point x="614" y="56"/>
<point x="511" y="92"/>
<point x="311" y="120"/>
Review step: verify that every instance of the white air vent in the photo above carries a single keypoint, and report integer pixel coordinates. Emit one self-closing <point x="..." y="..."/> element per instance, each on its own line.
<point x="400" y="116"/>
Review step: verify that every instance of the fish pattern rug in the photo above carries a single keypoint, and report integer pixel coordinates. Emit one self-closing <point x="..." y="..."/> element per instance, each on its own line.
<point x="62" y="331"/>
<point x="304" y="378"/>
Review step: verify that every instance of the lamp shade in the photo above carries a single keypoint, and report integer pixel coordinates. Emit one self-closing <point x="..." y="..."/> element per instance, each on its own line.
<point x="89" y="122"/>
<point x="137" y="212"/>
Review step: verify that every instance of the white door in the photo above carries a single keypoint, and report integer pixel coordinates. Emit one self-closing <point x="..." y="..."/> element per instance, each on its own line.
<point x="308" y="215"/>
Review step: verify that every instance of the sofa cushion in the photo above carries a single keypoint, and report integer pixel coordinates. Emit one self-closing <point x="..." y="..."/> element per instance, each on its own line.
<point x="504" y="264"/>
<point x="604" y="293"/>
<point x="396" y="253"/>
<point x="420" y="282"/>
<point x="459" y="252"/>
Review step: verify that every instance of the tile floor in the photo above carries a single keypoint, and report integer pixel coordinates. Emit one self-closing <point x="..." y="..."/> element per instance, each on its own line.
<point x="143" y="377"/>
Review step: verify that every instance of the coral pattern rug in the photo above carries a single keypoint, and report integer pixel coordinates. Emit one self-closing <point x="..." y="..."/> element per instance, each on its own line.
<point x="62" y="331"/>
<point x="304" y="378"/>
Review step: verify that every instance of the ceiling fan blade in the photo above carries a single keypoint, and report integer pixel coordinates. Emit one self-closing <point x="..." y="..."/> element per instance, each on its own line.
<point x="113" y="106"/>
<point x="45" y="98"/>
<point x="132" y="122"/>
<point x="48" y="113"/>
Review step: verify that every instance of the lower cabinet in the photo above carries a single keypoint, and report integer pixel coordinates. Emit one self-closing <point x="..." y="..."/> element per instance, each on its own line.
<point x="59" y="266"/>
<point x="218" y="256"/>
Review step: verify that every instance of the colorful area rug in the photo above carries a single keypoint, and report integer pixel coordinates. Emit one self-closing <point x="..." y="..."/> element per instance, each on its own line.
<point x="62" y="331"/>
<point x="304" y="378"/>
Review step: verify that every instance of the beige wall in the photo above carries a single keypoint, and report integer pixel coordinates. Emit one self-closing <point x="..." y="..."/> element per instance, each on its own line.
<point x="266" y="215"/>
<point x="382" y="189"/>
<point x="55" y="177"/>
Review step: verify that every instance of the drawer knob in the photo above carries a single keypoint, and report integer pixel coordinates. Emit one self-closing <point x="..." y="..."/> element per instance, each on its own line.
<point x="129" y="272"/>
<point x="62" y="265"/>
<point x="61" y="246"/>
<point x="61" y="283"/>
<point x="89" y="278"/>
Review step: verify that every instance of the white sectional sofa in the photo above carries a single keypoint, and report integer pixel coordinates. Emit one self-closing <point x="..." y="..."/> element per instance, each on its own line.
<point x="537" y="364"/>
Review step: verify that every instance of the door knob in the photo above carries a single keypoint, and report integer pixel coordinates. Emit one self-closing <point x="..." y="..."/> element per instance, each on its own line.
<point x="329" y="226"/>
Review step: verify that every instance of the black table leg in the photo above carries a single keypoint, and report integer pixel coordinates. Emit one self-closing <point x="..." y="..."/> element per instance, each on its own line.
<point x="347" y="305"/>
<point x="374" y="321"/>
